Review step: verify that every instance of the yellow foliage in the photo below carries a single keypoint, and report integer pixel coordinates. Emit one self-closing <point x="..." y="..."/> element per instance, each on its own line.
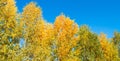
<point x="109" y="51"/>
<point x="43" y="41"/>
<point x="65" y="30"/>
<point x="31" y="13"/>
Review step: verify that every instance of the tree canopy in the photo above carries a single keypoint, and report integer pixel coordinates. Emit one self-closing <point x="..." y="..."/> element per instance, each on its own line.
<point x="62" y="40"/>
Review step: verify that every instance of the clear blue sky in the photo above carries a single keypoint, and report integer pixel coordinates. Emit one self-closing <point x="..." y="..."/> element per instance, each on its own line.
<point x="99" y="15"/>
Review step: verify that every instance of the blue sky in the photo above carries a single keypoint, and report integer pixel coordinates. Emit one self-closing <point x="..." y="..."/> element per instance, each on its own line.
<point x="99" y="15"/>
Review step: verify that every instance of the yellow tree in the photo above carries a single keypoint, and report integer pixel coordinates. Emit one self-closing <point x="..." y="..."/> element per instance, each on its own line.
<point x="9" y="32"/>
<point x="38" y="33"/>
<point x="31" y="14"/>
<point x="44" y="36"/>
<point x="65" y="31"/>
<point x="7" y="19"/>
<point x="109" y="51"/>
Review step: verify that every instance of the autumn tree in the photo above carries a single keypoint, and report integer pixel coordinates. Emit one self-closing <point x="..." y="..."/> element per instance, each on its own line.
<point x="31" y="14"/>
<point x="109" y="50"/>
<point x="9" y="30"/>
<point x="38" y="33"/>
<point x="65" y="30"/>
<point x="44" y="35"/>
<point x="7" y="20"/>
<point x="61" y="41"/>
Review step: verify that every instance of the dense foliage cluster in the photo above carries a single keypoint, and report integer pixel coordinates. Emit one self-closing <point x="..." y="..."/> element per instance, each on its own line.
<point x="63" y="40"/>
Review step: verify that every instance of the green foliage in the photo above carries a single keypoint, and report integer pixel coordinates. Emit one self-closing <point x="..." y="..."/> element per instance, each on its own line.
<point x="116" y="41"/>
<point x="89" y="45"/>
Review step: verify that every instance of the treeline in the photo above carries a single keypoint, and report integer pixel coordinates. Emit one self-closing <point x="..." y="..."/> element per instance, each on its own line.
<point x="63" y="40"/>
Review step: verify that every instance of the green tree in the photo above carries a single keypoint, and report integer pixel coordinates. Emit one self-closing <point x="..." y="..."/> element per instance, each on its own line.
<point x="116" y="41"/>
<point x="89" y="45"/>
